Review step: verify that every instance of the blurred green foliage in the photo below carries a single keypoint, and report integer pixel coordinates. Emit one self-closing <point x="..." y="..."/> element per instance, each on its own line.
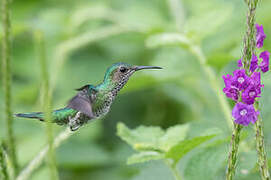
<point x="153" y="143"/>
<point x="84" y="37"/>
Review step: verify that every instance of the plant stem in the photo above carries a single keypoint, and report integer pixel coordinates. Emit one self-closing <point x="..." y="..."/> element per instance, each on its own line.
<point x="232" y="158"/>
<point x="6" y="58"/>
<point x="47" y="104"/>
<point x="178" y="12"/>
<point x="249" y="39"/>
<point x="262" y="159"/>
<point x="179" y="16"/>
<point x="3" y="165"/>
<point x="173" y="169"/>
<point x="196" y="50"/>
<point x="38" y="159"/>
<point x="249" y="49"/>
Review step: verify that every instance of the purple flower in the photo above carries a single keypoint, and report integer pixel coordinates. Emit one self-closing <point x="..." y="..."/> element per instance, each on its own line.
<point x="260" y="36"/>
<point x="230" y="90"/>
<point x="255" y="79"/>
<point x="265" y="63"/>
<point x="231" y="93"/>
<point x="244" y="114"/>
<point x="254" y="89"/>
<point x="253" y="63"/>
<point x="239" y="63"/>
<point x="227" y="80"/>
<point x="240" y="79"/>
<point x="250" y="93"/>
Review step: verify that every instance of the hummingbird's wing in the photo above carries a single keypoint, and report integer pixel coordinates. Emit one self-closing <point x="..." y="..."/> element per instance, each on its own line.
<point x="83" y="87"/>
<point x="82" y="102"/>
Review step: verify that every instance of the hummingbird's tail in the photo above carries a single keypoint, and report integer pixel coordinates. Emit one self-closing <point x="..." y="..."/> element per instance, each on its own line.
<point x="34" y="115"/>
<point x="59" y="116"/>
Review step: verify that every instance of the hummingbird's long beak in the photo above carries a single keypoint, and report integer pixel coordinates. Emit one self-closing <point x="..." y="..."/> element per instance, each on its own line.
<point x="147" y="67"/>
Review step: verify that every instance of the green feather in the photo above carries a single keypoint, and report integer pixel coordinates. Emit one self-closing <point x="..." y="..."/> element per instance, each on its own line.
<point x="60" y="116"/>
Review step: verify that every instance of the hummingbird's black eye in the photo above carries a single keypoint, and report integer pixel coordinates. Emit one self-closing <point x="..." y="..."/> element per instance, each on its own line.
<point x="123" y="69"/>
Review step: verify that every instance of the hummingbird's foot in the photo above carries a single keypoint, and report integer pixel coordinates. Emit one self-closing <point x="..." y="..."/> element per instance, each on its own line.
<point x="74" y="122"/>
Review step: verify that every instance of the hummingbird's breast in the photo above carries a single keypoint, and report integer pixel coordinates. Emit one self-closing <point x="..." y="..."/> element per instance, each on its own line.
<point x="102" y="104"/>
<point x="105" y="97"/>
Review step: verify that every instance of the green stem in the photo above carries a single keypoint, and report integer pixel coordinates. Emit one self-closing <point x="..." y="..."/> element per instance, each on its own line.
<point x="262" y="158"/>
<point x="3" y="165"/>
<point x="249" y="39"/>
<point x="232" y="158"/>
<point x="249" y="49"/>
<point x="6" y="58"/>
<point x="196" y="50"/>
<point x="47" y="104"/>
<point x="38" y="159"/>
<point x="176" y="10"/>
<point x="173" y="169"/>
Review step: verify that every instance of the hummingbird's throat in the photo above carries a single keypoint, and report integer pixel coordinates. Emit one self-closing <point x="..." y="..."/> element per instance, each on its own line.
<point x="121" y="82"/>
<point x="108" y="96"/>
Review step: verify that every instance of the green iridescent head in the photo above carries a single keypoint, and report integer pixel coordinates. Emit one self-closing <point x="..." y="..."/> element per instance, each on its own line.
<point x="119" y="73"/>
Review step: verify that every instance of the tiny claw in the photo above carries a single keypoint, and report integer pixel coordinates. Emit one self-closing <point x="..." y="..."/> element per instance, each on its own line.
<point x="74" y="128"/>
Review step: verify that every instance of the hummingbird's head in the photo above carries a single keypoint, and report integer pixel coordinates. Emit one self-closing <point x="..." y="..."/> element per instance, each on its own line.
<point x="118" y="74"/>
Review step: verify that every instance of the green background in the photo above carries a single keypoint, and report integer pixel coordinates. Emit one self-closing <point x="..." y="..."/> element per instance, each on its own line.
<point x="84" y="37"/>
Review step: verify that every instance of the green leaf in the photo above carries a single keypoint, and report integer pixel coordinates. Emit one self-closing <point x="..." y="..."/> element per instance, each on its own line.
<point x="168" y="39"/>
<point x="151" y="142"/>
<point x="185" y="146"/>
<point x="154" y="171"/>
<point x="173" y="136"/>
<point x="207" y="162"/>
<point x="144" y="157"/>
<point x="141" y="138"/>
<point x="152" y="138"/>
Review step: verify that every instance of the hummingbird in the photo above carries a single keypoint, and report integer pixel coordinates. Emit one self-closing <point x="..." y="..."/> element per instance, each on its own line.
<point x="91" y="102"/>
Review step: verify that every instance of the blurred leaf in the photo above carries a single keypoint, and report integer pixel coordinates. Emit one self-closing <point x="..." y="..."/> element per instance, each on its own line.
<point x="206" y="163"/>
<point x="142" y="16"/>
<point x="206" y="24"/>
<point x="81" y="155"/>
<point x="140" y="82"/>
<point x="219" y="60"/>
<point x="173" y="136"/>
<point x="154" y="143"/>
<point x="144" y="157"/>
<point x="87" y="13"/>
<point x="178" y="151"/>
<point x="141" y="138"/>
<point x="154" y="171"/>
<point x="168" y="39"/>
<point x="152" y="138"/>
<point x="27" y="94"/>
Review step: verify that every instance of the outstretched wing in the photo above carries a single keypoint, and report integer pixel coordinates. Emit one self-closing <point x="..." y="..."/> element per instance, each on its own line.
<point x="82" y="102"/>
